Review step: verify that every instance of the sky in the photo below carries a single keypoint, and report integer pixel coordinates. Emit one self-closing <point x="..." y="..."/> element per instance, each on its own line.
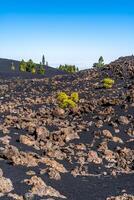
<point x="66" y="31"/>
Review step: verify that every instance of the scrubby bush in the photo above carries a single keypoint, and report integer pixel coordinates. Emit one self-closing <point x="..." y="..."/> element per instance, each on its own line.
<point x="30" y="66"/>
<point x="108" y="83"/>
<point x="75" y="97"/>
<point x="62" y="96"/>
<point x="33" y="70"/>
<point x="23" y="66"/>
<point x="66" y="101"/>
<point x="68" y="68"/>
<point x="41" y="69"/>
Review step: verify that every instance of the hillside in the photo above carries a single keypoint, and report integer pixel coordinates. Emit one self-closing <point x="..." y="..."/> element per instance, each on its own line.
<point x="80" y="153"/>
<point x="6" y="72"/>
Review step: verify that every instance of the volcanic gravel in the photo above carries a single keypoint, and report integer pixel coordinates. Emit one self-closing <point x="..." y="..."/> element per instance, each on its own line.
<point x="84" y="153"/>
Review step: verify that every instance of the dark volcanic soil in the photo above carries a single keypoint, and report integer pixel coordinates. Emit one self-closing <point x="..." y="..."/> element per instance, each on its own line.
<point x="86" y="153"/>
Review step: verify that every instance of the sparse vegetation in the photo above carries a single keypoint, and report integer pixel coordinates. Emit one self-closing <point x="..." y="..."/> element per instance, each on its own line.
<point x="23" y="66"/>
<point x="100" y="62"/>
<point x="62" y="96"/>
<point x="68" y="68"/>
<point x="108" y="83"/>
<point x="66" y="101"/>
<point x="33" y="71"/>
<point x="30" y="66"/>
<point x="47" y="129"/>
<point x="75" y="96"/>
<point x="41" y="69"/>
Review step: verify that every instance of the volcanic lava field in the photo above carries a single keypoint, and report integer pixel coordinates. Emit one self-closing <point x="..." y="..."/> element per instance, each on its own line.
<point x="84" y="153"/>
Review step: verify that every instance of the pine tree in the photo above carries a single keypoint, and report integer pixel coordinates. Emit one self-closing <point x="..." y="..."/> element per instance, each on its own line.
<point x="43" y="60"/>
<point x="100" y="62"/>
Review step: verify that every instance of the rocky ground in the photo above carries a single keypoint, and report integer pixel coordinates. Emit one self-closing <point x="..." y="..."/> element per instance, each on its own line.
<point x="85" y="153"/>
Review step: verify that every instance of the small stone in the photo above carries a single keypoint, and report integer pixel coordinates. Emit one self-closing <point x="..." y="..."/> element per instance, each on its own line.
<point x="107" y="134"/>
<point x="123" y="120"/>
<point x="30" y="173"/>
<point x="5" y="185"/>
<point x="104" y="173"/>
<point x="93" y="157"/>
<point x="117" y="139"/>
<point x="28" y="196"/>
<point x="1" y="172"/>
<point x="58" y="112"/>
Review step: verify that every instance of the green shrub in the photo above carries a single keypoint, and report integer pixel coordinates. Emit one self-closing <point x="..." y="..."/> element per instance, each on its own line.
<point x="41" y="70"/>
<point x="33" y="70"/>
<point x="66" y="101"/>
<point x="30" y="66"/>
<point x="108" y="83"/>
<point x="68" y="68"/>
<point x="62" y="96"/>
<point x="23" y="66"/>
<point x="75" y="97"/>
<point x="107" y="86"/>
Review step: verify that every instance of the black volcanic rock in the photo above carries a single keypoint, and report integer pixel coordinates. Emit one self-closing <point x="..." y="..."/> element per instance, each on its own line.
<point x="123" y="66"/>
<point x="82" y="153"/>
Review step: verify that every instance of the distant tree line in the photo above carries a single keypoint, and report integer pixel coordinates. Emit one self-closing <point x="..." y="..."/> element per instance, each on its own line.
<point x="68" y="68"/>
<point x="30" y="66"/>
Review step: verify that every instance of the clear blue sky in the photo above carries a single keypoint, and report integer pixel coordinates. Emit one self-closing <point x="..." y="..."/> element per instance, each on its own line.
<point x="66" y="31"/>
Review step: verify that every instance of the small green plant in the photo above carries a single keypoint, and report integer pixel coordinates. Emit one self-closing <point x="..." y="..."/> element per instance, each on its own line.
<point x="41" y="69"/>
<point x="75" y="97"/>
<point x="33" y="70"/>
<point x="108" y="83"/>
<point x="66" y="101"/>
<point x="23" y="66"/>
<point x="62" y="96"/>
